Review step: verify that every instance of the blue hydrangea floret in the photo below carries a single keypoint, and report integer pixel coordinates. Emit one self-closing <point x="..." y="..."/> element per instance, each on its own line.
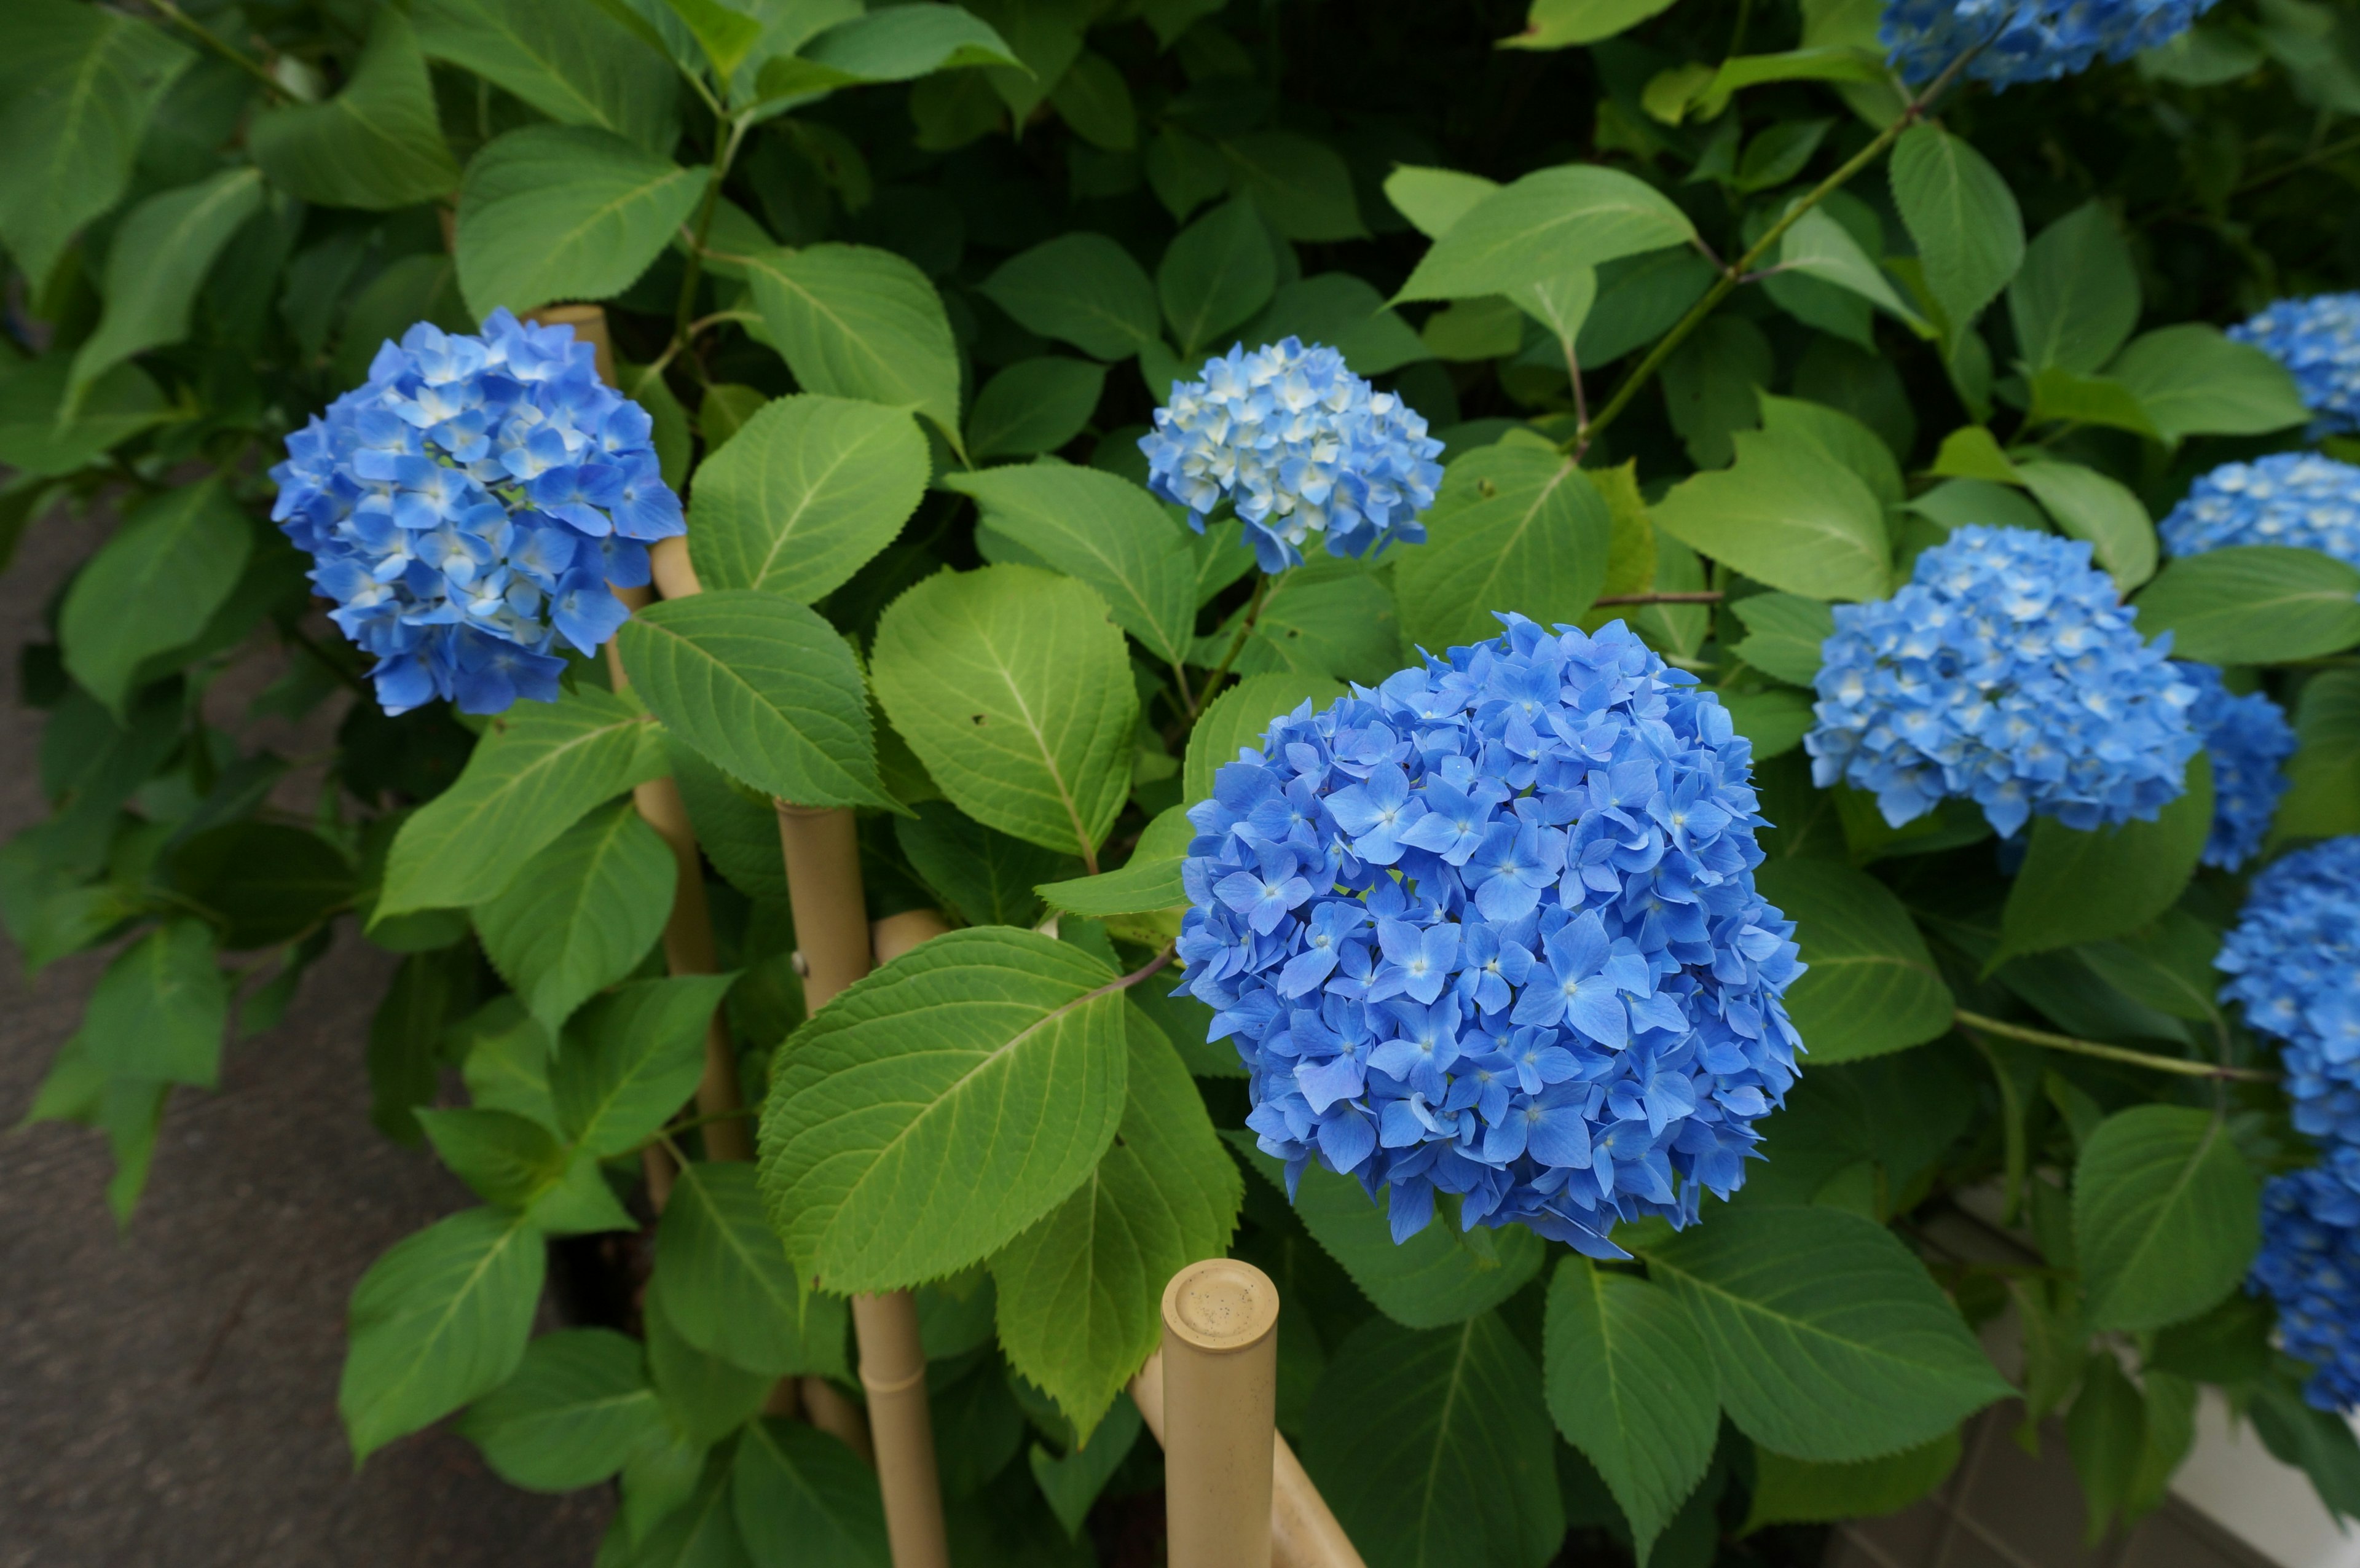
<point x="2318" y="340"/>
<point x="2007" y="672"/>
<point x="1489" y="930"/>
<point x="2294" y="499"/>
<point x="2293" y="964"/>
<point x="469" y="504"/>
<point x="1300" y="446"/>
<point x="2248" y="739"/>
<point x="2310" y="1264"/>
<point x="2026" y="40"/>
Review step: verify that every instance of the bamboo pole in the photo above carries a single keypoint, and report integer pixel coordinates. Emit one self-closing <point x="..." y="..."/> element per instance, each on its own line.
<point x="1220" y="1404"/>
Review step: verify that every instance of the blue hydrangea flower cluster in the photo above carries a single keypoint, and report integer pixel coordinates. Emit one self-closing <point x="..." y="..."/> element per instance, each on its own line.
<point x="2318" y="340"/>
<point x="1302" y="446"/>
<point x="2247" y="738"/>
<point x="2296" y="498"/>
<point x="2310" y="1264"/>
<point x="2026" y="40"/>
<point x="470" y="504"/>
<point x="2007" y="672"/>
<point x="1491" y="930"/>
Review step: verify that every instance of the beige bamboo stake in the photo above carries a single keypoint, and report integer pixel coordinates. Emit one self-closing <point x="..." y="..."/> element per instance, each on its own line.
<point x="1220" y="1405"/>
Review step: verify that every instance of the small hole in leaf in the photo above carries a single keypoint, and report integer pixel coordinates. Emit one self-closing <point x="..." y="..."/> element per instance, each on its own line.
<point x="978" y="718"/>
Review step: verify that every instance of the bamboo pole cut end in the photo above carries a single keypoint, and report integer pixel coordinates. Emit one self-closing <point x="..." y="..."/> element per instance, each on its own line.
<point x="1220" y="1307"/>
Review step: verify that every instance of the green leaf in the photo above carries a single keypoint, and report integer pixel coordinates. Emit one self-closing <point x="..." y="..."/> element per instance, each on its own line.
<point x="154" y="267"/>
<point x="1081" y="288"/>
<point x="2084" y="886"/>
<point x="2061" y="396"/>
<point x="582" y="913"/>
<point x="1081" y="1291"/>
<point x="2166" y="1216"/>
<point x="1073" y="1483"/>
<point x="1819" y="246"/>
<point x="1034" y="405"/>
<point x="2077" y="297"/>
<point x="897" y="43"/>
<point x="2253" y="605"/>
<point x="1712" y="385"/>
<point x="1872" y="986"/>
<point x="77" y="90"/>
<point x="1971" y="452"/>
<point x="804" y="495"/>
<point x="705" y="1399"/>
<point x="513" y="1162"/>
<point x="2104" y="1432"/>
<point x="801" y="1496"/>
<point x="2089" y="505"/>
<point x="1775" y="721"/>
<point x="989" y="875"/>
<point x="737" y="826"/>
<point x="761" y="687"/>
<point x="41" y="436"/>
<point x="1435" y="199"/>
<point x="1544" y="226"/>
<point x="2193" y="382"/>
<point x="1630" y="1385"/>
<point x="378" y="144"/>
<point x="264" y="883"/>
<point x="632" y="1058"/>
<point x="1830" y="1342"/>
<point x="1149" y="880"/>
<point x="1559" y="24"/>
<point x="1786" y="515"/>
<point x="1107" y="532"/>
<point x="726" y="35"/>
<point x="1962" y="218"/>
<point x="1784" y="634"/>
<point x="1013" y="687"/>
<point x="700" y="1528"/>
<point x="1837" y="435"/>
<point x="1515" y="527"/>
<point x="1093" y="98"/>
<point x="565" y="212"/>
<point x="441" y="1319"/>
<point x="1302" y="187"/>
<point x="940" y="1105"/>
<point x="1215" y="275"/>
<point x="429" y="992"/>
<point x="573" y="63"/>
<point x="856" y="322"/>
<point x="152" y="587"/>
<point x="577" y="1406"/>
<point x="1406" y="1428"/>
<point x="1796" y="1491"/>
<point x="1346" y="313"/>
<point x="2322" y="797"/>
<point x="539" y="769"/>
<point x="158" y="1011"/>
<point x="727" y="1287"/>
<point x="1239" y="717"/>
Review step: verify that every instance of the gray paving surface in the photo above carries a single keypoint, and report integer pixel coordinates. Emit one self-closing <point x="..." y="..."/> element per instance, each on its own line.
<point x="168" y="1398"/>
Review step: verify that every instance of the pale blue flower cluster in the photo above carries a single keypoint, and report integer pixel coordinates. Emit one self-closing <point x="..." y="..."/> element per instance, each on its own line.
<point x="2247" y="738"/>
<point x="2026" y="40"/>
<point x="1301" y="446"/>
<point x="470" y="504"/>
<point x="2295" y="498"/>
<point x="1489" y="930"/>
<point x="2310" y="1264"/>
<point x="2007" y="672"/>
<point x="2318" y="340"/>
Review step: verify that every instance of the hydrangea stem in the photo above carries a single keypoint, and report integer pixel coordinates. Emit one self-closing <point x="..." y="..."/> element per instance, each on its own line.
<point x="1263" y="595"/>
<point x="2180" y="1065"/>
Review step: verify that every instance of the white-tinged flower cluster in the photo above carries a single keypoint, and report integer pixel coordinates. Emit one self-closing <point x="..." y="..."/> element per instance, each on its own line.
<point x="2295" y="498"/>
<point x="2318" y="340"/>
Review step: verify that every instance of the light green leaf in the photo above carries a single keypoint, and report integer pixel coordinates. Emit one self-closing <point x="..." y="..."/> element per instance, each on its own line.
<point x="1405" y="1427"/>
<point x="506" y="1158"/>
<point x="573" y="63"/>
<point x="928" y="1115"/>
<point x="763" y="688"/>
<point x="856" y="322"/>
<point x="158" y="1011"/>
<point x="582" y="913"/>
<point x="1343" y="312"/>
<point x="40" y="436"/>
<point x="1971" y="452"/>
<point x="539" y="769"/>
<point x="2065" y="396"/>
<point x="152" y="587"/>
<point x="727" y="1287"/>
<point x="1149" y="880"/>
<point x="576" y="1407"/>
<point x="1830" y="1342"/>
<point x="1034" y="405"/>
<point x="2166" y="1216"/>
<point x="1630" y="1385"/>
<point x="1819" y="246"/>
<point x="1239" y="717"/>
<point x="2192" y="381"/>
<point x="2089" y="505"/>
<point x="1559" y="24"/>
<point x="1080" y="1292"/>
<point x="2084" y="886"/>
<point x="1515" y="527"/>
<point x="1435" y="199"/>
<point x="1013" y="687"/>
<point x="1543" y="226"/>
<point x="896" y="43"/>
<point x="1302" y="187"/>
<point x="1784" y="634"/>
<point x="987" y="875"/>
<point x="1872" y="986"/>
<point x="1331" y="617"/>
<point x="565" y="212"/>
<point x="1796" y="1491"/>
<point x="726" y="34"/>
<point x="1775" y="721"/>
<point x="2253" y="605"/>
<point x="1562" y="305"/>
<point x="1215" y="276"/>
<point x="804" y="495"/>
<point x="1107" y="532"/>
<point x="1786" y="515"/>
<point x="632" y="1058"/>
<point x="800" y="1495"/>
<point x="737" y="826"/>
<point x="378" y="144"/>
<point x="438" y="1320"/>
<point x="1082" y="288"/>
<point x="154" y="267"/>
<point x="2322" y="797"/>
<point x="1814" y="63"/>
<point x="2076" y="297"/>
<point x="1963" y="219"/>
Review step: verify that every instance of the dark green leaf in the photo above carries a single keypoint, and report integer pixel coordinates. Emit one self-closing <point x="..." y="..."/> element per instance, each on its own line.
<point x="2166" y="1216"/>
<point x="1034" y="405"/>
<point x="1785" y="632"/>
<point x="152" y="587"/>
<point x="430" y="992"/>
<point x="1149" y="880"/>
<point x="1796" y="1491"/>
<point x="987" y="875"/>
<point x="1544" y="225"/>
<point x="2076" y="297"/>
<point x="565" y="212"/>
<point x="160" y="259"/>
<point x="1302" y="187"/>
<point x="2322" y="797"/>
<point x="854" y="321"/>
<point x="265" y="882"/>
<point x="376" y="145"/>
<point x="576" y="1407"/>
<point x="802" y="1497"/>
<point x="1216" y="274"/>
<point x="632" y="1058"/>
<point x="1082" y="288"/>
<point x="158" y="1011"/>
<point x="1872" y="986"/>
<point x="573" y="62"/>
<point x="1963" y="219"/>
<point x="2084" y="886"/>
<point x="727" y="1288"/>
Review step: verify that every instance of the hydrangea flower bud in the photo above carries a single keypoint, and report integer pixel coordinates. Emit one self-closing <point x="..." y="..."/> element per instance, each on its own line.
<point x="2026" y="40"/>
<point x="2247" y="738"/>
<point x="1301" y="446"/>
<point x="2294" y="962"/>
<point x="2009" y="672"/>
<point x="2318" y="340"/>
<point x="469" y="504"/>
<point x="2296" y="498"/>
<point x="1491" y="930"/>
<point x="2310" y="1264"/>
